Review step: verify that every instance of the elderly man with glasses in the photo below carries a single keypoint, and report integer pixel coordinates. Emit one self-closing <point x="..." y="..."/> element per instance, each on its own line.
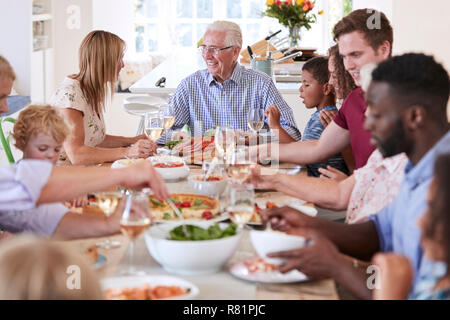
<point x="223" y="94"/>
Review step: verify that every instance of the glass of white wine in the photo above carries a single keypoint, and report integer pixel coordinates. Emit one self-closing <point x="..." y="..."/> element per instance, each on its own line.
<point x="241" y="203"/>
<point x="108" y="202"/>
<point x="153" y="126"/>
<point x="168" y="115"/>
<point x="239" y="166"/>
<point x="135" y="220"/>
<point x="255" y="119"/>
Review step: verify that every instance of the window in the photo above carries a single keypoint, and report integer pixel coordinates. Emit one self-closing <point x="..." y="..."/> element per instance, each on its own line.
<point x="163" y="26"/>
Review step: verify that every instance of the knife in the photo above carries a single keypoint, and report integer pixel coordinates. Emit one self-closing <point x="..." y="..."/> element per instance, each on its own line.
<point x="250" y="52"/>
<point x="272" y="35"/>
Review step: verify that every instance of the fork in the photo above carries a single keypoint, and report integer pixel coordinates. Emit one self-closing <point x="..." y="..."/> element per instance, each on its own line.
<point x="180" y="215"/>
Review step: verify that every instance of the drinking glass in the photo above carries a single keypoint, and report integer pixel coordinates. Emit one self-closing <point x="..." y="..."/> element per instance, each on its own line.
<point x="255" y="119"/>
<point x="225" y="142"/>
<point x="241" y="203"/>
<point x="239" y="166"/>
<point x="135" y="220"/>
<point x="153" y="126"/>
<point x="168" y="115"/>
<point x="108" y="202"/>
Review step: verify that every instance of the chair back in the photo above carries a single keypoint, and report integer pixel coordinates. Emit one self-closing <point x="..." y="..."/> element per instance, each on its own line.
<point x="5" y="140"/>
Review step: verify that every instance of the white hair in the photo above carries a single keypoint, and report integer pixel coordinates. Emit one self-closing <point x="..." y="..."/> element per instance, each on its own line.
<point x="234" y="33"/>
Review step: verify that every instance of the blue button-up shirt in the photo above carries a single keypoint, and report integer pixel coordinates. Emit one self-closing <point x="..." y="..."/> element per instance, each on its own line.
<point x="201" y="102"/>
<point x="396" y="224"/>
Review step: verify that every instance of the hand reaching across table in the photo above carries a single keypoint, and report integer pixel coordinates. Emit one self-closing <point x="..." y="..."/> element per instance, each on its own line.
<point x="316" y="260"/>
<point x="143" y="175"/>
<point x="326" y="117"/>
<point x="332" y="173"/>
<point x="143" y="148"/>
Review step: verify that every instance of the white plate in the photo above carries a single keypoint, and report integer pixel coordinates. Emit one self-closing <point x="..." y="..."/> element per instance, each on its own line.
<point x="132" y="282"/>
<point x="295" y="204"/>
<point x="239" y="270"/>
<point x="171" y="174"/>
<point x="123" y="163"/>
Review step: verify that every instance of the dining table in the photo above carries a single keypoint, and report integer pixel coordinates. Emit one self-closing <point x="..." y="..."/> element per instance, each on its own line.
<point x="221" y="285"/>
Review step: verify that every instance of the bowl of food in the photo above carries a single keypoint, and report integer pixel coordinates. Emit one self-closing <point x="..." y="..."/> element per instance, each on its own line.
<point x="204" y="248"/>
<point x="215" y="185"/>
<point x="268" y="241"/>
<point x="171" y="168"/>
<point x="148" y="288"/>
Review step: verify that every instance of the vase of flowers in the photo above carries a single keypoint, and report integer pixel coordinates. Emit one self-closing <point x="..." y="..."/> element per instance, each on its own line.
<point x="293" y="14"/>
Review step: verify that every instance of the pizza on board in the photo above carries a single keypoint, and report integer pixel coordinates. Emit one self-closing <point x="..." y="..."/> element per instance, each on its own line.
<point x="192" y="206"/>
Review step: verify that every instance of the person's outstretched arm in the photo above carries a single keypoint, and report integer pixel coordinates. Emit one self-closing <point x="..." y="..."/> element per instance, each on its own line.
<point x="325" y="193"/>
<point x="69" y="182"/>
<point x="333" y="140"/>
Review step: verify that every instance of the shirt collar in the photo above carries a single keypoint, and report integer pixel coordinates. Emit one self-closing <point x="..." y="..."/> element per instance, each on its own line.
<point x="423" y="171"/>
<point x="236" y="76"/>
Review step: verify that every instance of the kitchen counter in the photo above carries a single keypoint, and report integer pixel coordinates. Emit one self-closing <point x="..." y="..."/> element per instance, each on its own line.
<point x="180" y="65"/>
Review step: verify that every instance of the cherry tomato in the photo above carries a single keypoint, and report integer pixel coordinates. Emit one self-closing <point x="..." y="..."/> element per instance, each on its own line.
<point x="185" y="204"/>
<point x="207" y="215"/>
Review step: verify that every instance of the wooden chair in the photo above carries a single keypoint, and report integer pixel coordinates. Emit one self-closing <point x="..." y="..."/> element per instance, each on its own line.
<point x="5" y="140"/>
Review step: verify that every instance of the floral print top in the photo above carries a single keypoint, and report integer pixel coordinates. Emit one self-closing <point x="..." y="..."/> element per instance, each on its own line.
<point x="376" y="185"/>
<point x="69" y="95"/>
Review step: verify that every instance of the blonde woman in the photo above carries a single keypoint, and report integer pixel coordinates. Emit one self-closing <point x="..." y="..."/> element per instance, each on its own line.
<point x="37" y="269"/>
<point x="82" y="98"/>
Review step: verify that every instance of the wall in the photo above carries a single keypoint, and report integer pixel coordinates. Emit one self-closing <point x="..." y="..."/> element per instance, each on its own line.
<point x="15" y="23"/>
<point x="115" y="16"/>
<point x="384" y="6"/>
<point x="420" y="28"/>
<point x="70" y="29"/>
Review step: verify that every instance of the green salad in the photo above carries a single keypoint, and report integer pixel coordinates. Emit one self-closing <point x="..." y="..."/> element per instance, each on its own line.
<point x="197" y="233"/>
<point x="210" y="133"/>
<point x="171" y="144"/>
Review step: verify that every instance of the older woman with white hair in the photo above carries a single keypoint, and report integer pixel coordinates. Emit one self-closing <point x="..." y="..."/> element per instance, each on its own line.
<point x="224" y="92"/>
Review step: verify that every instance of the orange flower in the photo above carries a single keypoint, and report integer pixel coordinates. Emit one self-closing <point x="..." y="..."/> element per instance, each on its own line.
<point x="320" y="12"/>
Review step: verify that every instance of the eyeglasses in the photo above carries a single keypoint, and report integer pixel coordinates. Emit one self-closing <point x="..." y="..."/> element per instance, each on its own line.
<point x="213" y="50"/>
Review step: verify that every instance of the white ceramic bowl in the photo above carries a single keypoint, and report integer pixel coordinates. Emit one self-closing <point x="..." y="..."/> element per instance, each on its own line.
<point x="170" y="174"/>
<point x="207" y="188"/>
<point x="266" y="242"/>
<point x="190" y="257"/>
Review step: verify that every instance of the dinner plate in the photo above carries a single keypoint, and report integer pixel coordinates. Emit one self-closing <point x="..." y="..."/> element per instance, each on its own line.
<point x="139" y="281"/>
<point x="123" y="163"/>
<point x="295" y="204"/>
<point x="239" y="270"/>
<point x="101" y="260"/>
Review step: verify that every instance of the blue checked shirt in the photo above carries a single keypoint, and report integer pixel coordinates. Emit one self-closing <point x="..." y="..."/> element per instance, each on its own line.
<point x="201" y="102"/>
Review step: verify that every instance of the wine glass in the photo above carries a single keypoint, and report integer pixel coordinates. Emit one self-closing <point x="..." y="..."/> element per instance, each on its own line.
<point x="225" y="142"/>
<point x="153" y="126"/>
<point x="241" y="203"/>
<point x="240" y="165"/>
<point x="255" y="119"/>
<point x="135" y="220"/>
<point x="168" y="115"/>
<point x="107" y="202"/>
